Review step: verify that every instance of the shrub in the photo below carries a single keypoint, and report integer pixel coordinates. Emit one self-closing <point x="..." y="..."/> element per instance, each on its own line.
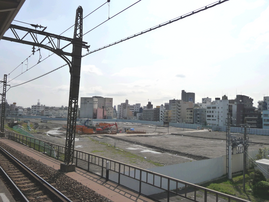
<point x="256" y="177"/>
<point x="261" y="187"/>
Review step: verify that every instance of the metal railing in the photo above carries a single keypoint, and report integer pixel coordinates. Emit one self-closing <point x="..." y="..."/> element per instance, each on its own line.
<point x="135" y="178"/>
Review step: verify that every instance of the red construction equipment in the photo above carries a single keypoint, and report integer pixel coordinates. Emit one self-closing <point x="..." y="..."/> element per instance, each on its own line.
<point x="106" y="127"/>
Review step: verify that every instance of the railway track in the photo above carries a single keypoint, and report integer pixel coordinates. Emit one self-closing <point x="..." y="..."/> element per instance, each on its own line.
<point x="26" y="184"/>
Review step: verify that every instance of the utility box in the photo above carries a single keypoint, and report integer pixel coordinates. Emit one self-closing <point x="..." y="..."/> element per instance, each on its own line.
<point x="263" y="166"/>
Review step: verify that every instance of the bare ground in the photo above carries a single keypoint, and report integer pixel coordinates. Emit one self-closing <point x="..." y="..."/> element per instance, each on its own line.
<point x="159" y="146"/>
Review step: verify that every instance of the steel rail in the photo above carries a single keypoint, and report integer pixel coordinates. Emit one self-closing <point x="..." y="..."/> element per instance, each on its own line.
<point x="56" y="193"/>
<point x="14" y="186"/>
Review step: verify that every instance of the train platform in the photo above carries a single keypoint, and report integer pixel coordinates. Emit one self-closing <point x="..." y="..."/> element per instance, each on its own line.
<point x="5" y="195"/>
<point x="110" y="190"/>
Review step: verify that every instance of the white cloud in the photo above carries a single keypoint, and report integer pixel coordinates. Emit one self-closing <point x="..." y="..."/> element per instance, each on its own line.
<point x="62" y="88"/>
<point x="257" y="29"/>
<point x="89" y="69"/>
<point x="127" y="72"/>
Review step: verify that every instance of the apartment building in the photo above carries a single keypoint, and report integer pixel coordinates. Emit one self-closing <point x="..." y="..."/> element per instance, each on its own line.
<point x="216" y="112"/>
<point x="175" y="108"/>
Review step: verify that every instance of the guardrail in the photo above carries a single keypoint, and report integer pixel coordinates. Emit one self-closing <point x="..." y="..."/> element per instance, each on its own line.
<point x="135" y="178"/>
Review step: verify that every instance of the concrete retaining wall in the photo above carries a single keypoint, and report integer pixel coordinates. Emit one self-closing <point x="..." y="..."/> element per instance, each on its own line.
<point x="196" y="172"/>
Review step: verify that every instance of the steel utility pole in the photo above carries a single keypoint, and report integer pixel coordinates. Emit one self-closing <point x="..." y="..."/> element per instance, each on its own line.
<point x="3" y="107"/>
<point x="228" y="147"/>
<point x="245" y="145"/>
<point x="40" y="38"/>
<point x="73" y="93"/>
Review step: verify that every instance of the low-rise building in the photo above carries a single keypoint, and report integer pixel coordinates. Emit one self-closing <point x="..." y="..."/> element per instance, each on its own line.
<point x="37" y="109"/>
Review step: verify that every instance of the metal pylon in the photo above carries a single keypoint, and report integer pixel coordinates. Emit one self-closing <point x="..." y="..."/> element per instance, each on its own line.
<point x="228" y="142"/>
<point x="3" y="106"/>
<point x="74" y="88"/>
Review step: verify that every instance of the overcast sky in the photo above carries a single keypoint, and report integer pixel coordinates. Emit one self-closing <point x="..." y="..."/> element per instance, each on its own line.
<point x="223" y="50"/>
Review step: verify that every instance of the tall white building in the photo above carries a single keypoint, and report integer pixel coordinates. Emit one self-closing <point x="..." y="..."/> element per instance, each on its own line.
<point x="216" y="112"/>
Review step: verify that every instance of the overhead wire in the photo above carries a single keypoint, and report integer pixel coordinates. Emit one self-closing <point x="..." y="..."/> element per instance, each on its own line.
<point x="31" y="67"/>
<point x="256" y="164"/>
<point x="159" y="26"/>
<point x="83" y="35"/>
<point x="84" y="17"/>
<point x="20" y="64"/>
<point x="39" y="76"/>
<point x="138" y="34"/>
<point x="23" y="22"/>
<point x="112" y="17"/>
<point x="48" y="42"/>
<point x="109" y="18"/>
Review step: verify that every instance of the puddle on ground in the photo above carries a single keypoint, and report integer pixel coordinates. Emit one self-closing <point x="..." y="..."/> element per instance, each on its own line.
<point x="132" y="148"/>
<point x="55" y="132"/>
<point x="143" y="149"/>
<point x="150" y="151"/>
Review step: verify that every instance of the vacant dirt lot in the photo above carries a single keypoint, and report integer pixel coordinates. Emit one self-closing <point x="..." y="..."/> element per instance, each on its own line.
<point x="159" y="146"/>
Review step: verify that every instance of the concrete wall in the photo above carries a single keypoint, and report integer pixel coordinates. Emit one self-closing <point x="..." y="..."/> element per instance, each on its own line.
<point x="253" y="131"/>
<point x="195" y="172"/>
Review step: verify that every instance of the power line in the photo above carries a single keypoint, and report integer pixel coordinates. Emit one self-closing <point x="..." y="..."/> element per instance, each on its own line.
<point x="138" y="34"/>
<point x="39" y="76"/>
<point x="20" y="64"/>
<point x="256" y="164"/>
<point x="70" y="43"/>
<point x="106" y="20"/>
<point x="48" y="43"/>
<point x="31" y="67"/>
<point x="111" y="17"/>
<point x="84" y="17"/>
<point x="160" y="25"/>
<point x="22" y="22"/>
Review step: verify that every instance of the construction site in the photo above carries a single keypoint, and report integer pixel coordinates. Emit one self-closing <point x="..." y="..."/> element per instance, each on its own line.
<point x="142" y="145"/>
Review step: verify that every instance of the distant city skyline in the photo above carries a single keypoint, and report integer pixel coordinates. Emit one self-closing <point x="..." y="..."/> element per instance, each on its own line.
<point x="143" y="104"/>
<point x="220" y="51"/>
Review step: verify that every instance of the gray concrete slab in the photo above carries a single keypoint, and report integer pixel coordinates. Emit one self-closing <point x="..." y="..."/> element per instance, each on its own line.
<point x="5" y="195"/>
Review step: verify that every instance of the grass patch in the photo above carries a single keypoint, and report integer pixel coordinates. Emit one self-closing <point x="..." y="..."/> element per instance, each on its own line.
<point x="96" y="151"/>
<point x="235" y="187"/>
<point x="133" y="158"/>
